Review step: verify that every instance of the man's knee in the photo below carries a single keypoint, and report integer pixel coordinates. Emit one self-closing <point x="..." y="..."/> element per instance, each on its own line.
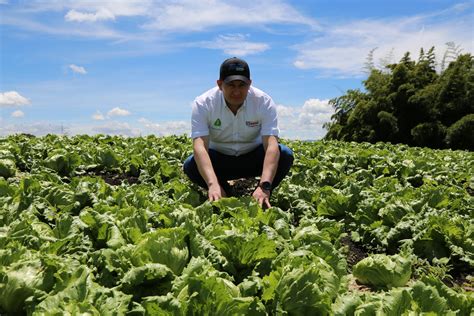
<point x="190" y="167"/>
<point x="286" y="156"/>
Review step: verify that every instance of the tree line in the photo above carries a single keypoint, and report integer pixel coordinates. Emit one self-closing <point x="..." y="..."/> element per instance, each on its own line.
<point x="411" y="102"/>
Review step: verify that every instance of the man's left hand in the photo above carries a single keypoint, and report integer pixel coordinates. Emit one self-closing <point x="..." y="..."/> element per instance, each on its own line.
<point x="262" y="197"/>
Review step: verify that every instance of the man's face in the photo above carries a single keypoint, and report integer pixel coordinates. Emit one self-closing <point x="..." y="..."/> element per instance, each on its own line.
<point x="234" y="92"/>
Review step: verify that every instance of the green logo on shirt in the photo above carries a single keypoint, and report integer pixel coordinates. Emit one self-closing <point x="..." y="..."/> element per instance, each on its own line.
<point x="217" y="123"/>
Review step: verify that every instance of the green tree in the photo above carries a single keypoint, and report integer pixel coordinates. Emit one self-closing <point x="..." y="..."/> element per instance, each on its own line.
<point x="456" y="90"/>
<point x="460" y="135"/>
<point x="409" y="102"/>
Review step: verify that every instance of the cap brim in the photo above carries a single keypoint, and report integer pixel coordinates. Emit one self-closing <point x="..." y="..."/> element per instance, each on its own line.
<point x="237" y="77"/>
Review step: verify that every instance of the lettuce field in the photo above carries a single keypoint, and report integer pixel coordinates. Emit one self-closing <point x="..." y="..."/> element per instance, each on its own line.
<point x="107" y="225"/>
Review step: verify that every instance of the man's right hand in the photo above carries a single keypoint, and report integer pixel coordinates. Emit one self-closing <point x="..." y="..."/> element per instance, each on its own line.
<point x="204" y="164"/>
<point x="215" y="192"/>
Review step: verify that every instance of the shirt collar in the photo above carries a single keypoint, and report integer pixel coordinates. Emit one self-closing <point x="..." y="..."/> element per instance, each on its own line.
<point x="224" y="103"/>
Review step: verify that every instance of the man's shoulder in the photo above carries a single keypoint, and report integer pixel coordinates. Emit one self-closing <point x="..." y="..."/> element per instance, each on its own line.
<point x="257" y="92"/>
<point x="209" y="96"/>
<point x="258" y="95"/>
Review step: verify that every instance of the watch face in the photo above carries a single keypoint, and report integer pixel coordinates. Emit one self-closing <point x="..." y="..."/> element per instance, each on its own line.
<point x="267" y="186"/>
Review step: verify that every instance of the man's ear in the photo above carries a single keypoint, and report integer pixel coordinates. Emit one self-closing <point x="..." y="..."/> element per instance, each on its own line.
<point x="219" y="84"/>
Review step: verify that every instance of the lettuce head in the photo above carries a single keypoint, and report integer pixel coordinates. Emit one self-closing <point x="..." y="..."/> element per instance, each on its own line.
<point x="383" y="271"/>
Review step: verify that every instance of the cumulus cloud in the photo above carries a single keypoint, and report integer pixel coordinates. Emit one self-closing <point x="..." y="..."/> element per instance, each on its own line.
<point x="118" y="112"/>
<point x="17" y="114"/>
<point x="201" y="15"/>
<point x="115" y="7"/>
<point x="153" y="21"/>
<point x="41" y="128"/>
<point x="317" y="106"/>
<point x="304" y="122"/>
<point x="296" y="122"/>
<point x="342" y="49"/>
<point x="99" y="15"/>
<point x="180" y="15"/>
<point x="12" y="98"/>
<point x="116" y="128"/>
<point x="236" y="44"/>
<point x="115" y="112"/>
<point x="78" y="69"/>
<point x="99" y="31"/>
<point x="35" y="128"/>
<point x="165" y="128"/>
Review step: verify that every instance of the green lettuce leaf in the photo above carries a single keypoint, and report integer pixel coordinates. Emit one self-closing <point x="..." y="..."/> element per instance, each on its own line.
<point x="202" y="290"/>
<point x="147" y="280"/>
<point x="244" y="251"/>
<point x="312" y="239"/>
<point x="23" y="280"/>
<point x="304" y="285"/>
<point x="346" y="304"/>
<point x="166" y="305"/>
<point x="7" y="168"/>
<point x="463" y="302"/>
<point x="75" y="293"/>
<point x="167" y="246"/>
<point x="384" y="271"/>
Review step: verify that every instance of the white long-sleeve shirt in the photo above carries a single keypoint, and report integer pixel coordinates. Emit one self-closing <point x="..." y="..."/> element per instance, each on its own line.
<point x="234" y="134"/>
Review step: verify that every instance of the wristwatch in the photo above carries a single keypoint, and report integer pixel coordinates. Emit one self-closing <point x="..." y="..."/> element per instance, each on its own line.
<point x="266" y="186"/>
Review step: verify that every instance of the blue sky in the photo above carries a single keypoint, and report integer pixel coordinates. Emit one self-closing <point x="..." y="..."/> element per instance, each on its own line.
<point x="134" y="67"/>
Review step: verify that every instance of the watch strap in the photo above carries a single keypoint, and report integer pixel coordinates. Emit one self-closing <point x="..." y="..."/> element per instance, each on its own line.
<point x="266" y="185"/>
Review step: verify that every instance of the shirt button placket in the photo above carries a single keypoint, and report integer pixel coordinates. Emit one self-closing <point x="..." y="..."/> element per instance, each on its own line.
<point x="235" y="132"/>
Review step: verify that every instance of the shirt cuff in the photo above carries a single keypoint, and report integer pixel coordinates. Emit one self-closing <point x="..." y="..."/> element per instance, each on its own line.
<point x="199" y="134"/>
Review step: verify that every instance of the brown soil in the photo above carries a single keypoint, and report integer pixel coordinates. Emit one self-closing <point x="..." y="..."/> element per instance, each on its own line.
<point x="356" y="287"/>
<point x="470" y="191"/>
<point x="243" y="187"/>
<point x="355" y="254"/>
<point x="464" y="281"/>
<point x="113" y="178"/>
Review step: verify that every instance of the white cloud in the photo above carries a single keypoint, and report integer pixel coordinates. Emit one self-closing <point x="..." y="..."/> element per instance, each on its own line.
<point x="305" y="122"/>
<point x="154" y="20"/>
<point x="285" y="112"/>
<point x="177" y="15"/>
<point x="12" y="98"/>
<point x="78" y="69"/>
<point x="114" y="128"/>
<point x="99" y="15"/>
<point x="191" y="15"/>
<point x="343" y="48"/>
<point x="116" y="7"/>
<point x="43" y="128"/>
<point x="165" y="128"/>
<point x="34" y="128"/>
<point x="18" y="114"/>
<point x="317" y="106"/>
<point x="118" y="112"/>
<point x="236" y="44"/>
<point x="87" y="31"/>
<point x="98" y="116"/>
<point x="3" y="1"/>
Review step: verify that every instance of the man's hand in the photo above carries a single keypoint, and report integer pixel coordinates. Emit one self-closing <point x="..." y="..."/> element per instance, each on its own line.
<point x="215" y="192"/>
<point x="262" y="197"/>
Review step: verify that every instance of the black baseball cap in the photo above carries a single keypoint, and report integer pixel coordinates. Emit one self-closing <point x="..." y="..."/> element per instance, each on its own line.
<point x="235" y="69"/>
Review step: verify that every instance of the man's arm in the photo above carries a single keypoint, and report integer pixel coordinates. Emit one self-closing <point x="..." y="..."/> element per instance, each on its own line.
<point x="204" y="164"/>
<point x="270" y="166"/>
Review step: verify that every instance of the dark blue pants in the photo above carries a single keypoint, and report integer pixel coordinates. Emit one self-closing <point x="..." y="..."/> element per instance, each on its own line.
<point x="235" y="167"/>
